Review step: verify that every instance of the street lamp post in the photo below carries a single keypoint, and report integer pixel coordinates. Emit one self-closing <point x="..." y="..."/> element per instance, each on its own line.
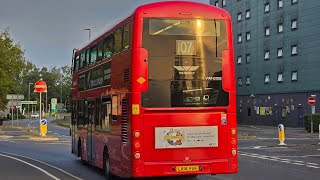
<point x="29" y="99"/>
<point x="88" y="29"/>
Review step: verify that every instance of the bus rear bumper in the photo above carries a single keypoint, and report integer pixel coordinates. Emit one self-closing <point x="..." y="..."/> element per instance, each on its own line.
<point x="170" y="168"/>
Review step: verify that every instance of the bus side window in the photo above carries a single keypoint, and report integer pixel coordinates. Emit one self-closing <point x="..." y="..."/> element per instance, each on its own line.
<point x="118" y="40"/>
<point x="100" y="51"/>
<point x="87" y="57"/>
<point x="126" y="36"/>
<point x="106" y="116"/>
<point x="93" y="56"/>
<point x="82" y="60"/>
<point x="108" y="46"/>
<point x="98" y="121"/>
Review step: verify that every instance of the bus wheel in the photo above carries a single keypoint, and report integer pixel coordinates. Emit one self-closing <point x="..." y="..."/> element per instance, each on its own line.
<point x="106" y="167"/>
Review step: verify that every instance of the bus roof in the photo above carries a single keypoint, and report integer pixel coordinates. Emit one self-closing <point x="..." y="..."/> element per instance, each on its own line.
<point x="173" y="9"/>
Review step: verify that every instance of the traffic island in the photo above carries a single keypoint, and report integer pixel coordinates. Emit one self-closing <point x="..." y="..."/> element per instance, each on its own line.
<point x="18" y="133"/>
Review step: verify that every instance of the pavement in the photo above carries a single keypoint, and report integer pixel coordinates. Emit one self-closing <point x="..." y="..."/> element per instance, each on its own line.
<point x="9" y="132"/>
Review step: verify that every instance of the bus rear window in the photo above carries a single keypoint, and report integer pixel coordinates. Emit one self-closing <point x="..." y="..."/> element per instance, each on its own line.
<point x="185" y="63"/>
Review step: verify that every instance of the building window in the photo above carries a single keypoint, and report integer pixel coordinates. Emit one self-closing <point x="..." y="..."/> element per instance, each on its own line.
<point x="280" y="53"/>
<point x="239" y="81"/>
<point x="267" y="31"/>
<point x="294" y="76"/>
<point x="248" y="80"/>
<point x="294" y="24"/>
<point x="223" y="3"/>
<point x="248" y="58"/>
<point x="294" y="50"/>
<point x="280" y="28"/>
<point x="267" y="7"/>
<point x="266" y="55"/>
<point x="247" y="14"/>
<point x="280" y="77"/>
<point x="294" y="1"/>
<point x="248" y="36"/>
<point x="216" y="3"/>
<point x="239" y="59"/>
<point x="239" y="38"/>
<point x="280" y="4"/>
<point x="267" y="78"/>
<point x="239" y="16"/>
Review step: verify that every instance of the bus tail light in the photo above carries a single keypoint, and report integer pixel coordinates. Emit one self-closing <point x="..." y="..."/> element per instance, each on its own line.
<point x="137" y="155"/>
<point x="233" y="142"/>
<point x="137" y="145"/>
<point x="136" y="134"/>
<point x="234" y="152"/>
<point x="233" y="131"/>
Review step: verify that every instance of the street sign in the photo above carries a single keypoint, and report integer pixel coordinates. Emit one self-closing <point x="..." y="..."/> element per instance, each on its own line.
<point x="15" y="96"/>
<point x="40" y="86"/>
<point x="312" y="100"/>
<point x="28" y="102"/>
<point x="43" y="127"/>
<point x="54" y="104"/>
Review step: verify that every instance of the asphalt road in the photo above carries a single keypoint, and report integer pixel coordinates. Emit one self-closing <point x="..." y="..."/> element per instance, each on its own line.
<point x="259" y="158"/>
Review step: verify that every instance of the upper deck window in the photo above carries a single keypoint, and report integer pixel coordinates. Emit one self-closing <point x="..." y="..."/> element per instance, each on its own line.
<point x="93" y="56"/>
<point x="76" y="64"/>
<point x="126" y="36"/>
<point x="87" y="57"/>
<point x="108" y="46"/>
<point x="118" y="40"/>
<point x="100" y="51"/>
<point x="82" y="60"/>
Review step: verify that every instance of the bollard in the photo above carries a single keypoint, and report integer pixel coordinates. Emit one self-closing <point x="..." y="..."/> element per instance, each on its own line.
<point x="281" y="134"/>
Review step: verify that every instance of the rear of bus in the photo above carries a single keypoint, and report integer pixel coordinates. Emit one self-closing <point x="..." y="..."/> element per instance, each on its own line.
<point x="183" y="91"/>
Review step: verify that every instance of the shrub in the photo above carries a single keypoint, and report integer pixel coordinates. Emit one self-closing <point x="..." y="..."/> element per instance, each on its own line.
<point x="316" y="122"/>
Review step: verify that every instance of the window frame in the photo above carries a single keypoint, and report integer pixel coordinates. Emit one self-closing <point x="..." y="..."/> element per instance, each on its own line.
<point x="267" y="31"/>
<point x="294" y="21"/>
<point x="296" y="76"/>
<point x="239" y="38"/>
<point x="267" y="52"/>
<point x="266" y="78"/>
<point x="239" y="59"/>
<point x="239" y="17"/>
<point x="296" y="50"/>
<point x="280" y="4"/>
<point x="117" y="51"/>
<point x="280" y="27"/>
<point x="280" y="77"/>
<point x="223" y="3"/>
<point x="267" y="7"/>
<point x="91" y="51"/>
<point x="248" y="36"/>
<point x="248" y="81"/>
<point x="239" y="81"/>
<point x="248" y="58"/>
<point x="108" y="40"/>
<point x="280" y="53"/>
<point x="248" y="14"/>
<point x="126" y="25"/>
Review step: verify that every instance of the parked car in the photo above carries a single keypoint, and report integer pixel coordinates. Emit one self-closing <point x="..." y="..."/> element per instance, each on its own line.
<point x="35" y="115"/>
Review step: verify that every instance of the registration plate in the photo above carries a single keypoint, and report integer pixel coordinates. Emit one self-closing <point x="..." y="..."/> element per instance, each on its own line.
<point x="187" y="168"/>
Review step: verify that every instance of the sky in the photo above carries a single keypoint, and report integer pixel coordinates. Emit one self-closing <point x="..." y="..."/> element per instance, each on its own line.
<point x="48" y="30"/>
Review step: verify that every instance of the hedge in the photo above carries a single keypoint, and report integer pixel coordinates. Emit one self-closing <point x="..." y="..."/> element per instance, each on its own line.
<point x="316" y="122"/>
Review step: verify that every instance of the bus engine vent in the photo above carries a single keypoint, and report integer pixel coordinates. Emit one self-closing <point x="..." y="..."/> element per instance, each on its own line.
<point x="126" y="75"/>
<point x="124" y="127"/>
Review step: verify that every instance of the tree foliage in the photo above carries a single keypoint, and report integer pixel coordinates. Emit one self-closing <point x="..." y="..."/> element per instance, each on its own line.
<point x="17" y="75"/>
<point x="12" y="62"/>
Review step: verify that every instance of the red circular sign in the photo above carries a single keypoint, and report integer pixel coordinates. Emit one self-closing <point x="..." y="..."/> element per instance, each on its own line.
<point x="40" y="86"/>
<point x="312" y="100"/>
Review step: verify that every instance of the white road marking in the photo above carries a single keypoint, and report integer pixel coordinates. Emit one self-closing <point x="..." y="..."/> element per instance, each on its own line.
<point x="278" y="159"/>
<point x="65" y="172"/>
<point x="286" y="138"/>
<point x="34" y="166"/>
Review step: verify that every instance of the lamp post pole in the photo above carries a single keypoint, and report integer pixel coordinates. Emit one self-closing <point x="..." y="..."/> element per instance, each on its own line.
<point x="29" y="99"/>
<point x="88" y="29"/>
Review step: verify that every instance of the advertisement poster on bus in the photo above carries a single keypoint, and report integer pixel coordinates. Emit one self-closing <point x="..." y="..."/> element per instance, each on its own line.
<point x="186" y="137"/>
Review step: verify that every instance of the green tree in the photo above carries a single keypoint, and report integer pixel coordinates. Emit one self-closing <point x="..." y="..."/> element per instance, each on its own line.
<point x="12" y="63"/>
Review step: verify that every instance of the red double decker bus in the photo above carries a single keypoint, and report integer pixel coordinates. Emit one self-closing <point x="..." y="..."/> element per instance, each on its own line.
<point x="155" y="94"/>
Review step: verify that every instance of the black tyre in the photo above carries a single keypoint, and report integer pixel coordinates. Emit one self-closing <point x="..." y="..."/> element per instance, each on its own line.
<point x="106" y="167"/>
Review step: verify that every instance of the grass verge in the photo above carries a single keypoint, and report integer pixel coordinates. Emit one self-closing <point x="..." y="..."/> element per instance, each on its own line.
<point x="62" y="122"/>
